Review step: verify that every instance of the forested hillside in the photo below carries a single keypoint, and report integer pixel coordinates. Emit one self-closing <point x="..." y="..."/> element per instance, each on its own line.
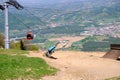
<point x="64" y="17"/>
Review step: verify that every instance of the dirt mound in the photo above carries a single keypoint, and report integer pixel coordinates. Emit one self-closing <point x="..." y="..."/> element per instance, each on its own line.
<point x="80" y="65"/>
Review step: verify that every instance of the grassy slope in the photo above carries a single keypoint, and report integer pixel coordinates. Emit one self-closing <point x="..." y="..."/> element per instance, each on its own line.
<point x="95" y="43"/>
<point x="18" y="66"/>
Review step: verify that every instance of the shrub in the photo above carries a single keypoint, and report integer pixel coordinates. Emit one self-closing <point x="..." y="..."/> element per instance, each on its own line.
<point x="15" y="45"/>
<point x="21" y="45"/>
<point x="31" y="47"/>
<point x="1" y="40"/>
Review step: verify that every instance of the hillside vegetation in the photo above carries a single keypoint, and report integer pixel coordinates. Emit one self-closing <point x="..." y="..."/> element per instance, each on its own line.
<point x="95" y="43"/>
<point x="80" y="17"/>
<point x="61" y="18"/>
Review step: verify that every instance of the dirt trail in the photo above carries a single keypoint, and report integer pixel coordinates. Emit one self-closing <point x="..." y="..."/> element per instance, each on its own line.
<point x="80" y="65"/>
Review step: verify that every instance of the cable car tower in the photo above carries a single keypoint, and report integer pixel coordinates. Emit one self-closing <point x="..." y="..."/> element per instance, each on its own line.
<point x="8" y="3"/>
<point x="1" y="7"/>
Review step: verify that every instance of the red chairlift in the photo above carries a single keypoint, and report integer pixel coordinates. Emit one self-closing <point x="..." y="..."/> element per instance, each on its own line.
<point x="29" y="36"/>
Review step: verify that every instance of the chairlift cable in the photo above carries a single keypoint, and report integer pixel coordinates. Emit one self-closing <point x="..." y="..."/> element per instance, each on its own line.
<point x="28" y="27"/>
<point x="31" y="13"/>
<point x="29" y="34"/>
<point x="19" y="20"/>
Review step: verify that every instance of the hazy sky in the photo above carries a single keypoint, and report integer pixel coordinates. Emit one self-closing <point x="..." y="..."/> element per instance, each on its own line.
<point x="42" y="1"/>
<point x="45" y="1"/>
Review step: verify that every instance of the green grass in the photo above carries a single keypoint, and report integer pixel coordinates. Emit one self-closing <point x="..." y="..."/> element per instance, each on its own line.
<point x="91" y="43"/>
<point x="12" y="51"/>
<point x="18" y="66"/>
<point x="116" y="78"/>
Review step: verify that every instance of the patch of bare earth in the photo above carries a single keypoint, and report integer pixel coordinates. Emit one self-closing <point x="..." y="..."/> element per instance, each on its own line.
<point x="74" y="65"/>
<point x="67" y="41"/>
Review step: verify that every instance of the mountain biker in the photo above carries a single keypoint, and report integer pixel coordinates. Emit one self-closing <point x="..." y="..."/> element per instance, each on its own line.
<point x="50" y="50"/>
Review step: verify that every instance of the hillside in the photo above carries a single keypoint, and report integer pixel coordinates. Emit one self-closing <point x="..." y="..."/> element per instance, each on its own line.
<point x="60" y="18"/>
